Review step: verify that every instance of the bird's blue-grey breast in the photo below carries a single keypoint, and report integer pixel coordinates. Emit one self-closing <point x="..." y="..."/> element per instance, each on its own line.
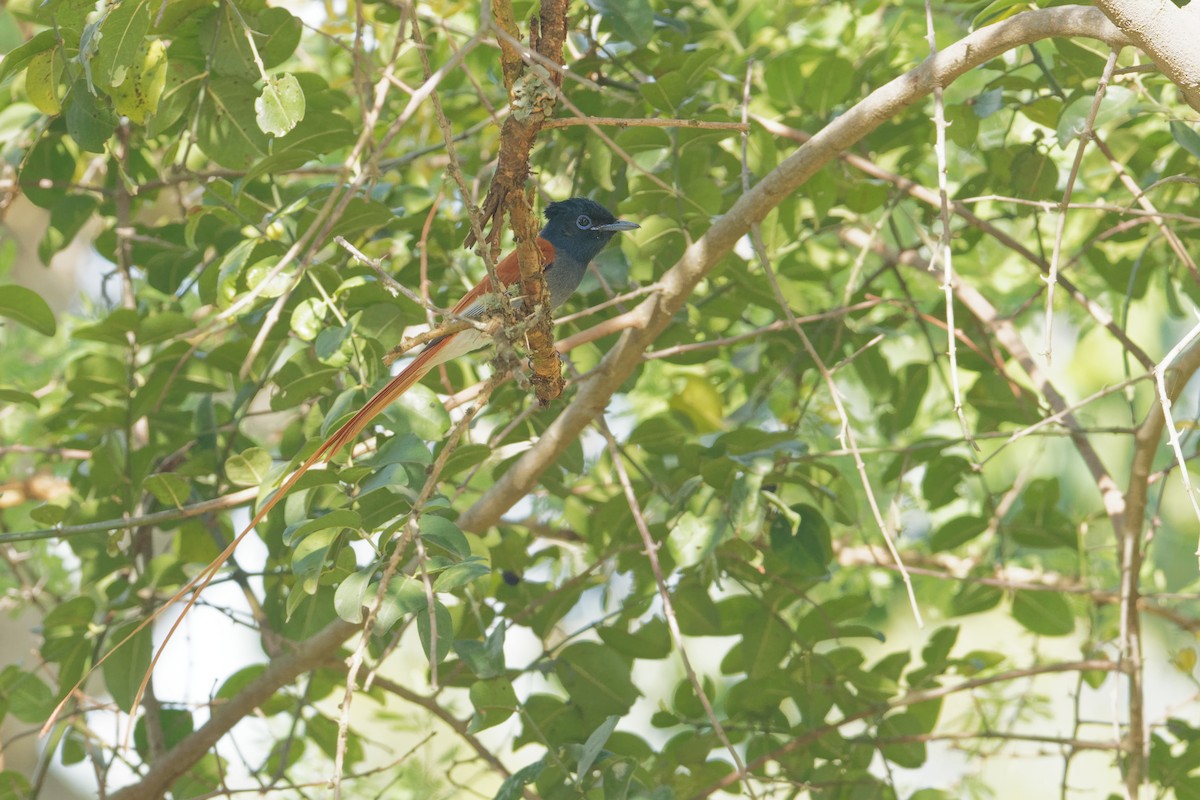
<point x="579" y="229"/>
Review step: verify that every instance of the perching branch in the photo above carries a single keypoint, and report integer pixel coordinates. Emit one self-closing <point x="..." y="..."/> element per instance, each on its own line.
<point x="531" y="100"/>
<point x="531" y="92"/>
<point x="545" y="367"/>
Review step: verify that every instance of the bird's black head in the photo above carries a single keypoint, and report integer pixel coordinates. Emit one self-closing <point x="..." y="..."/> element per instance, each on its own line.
<point x="581" y="227"/>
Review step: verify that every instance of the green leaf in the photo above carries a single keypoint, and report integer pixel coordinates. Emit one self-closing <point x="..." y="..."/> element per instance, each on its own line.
<point x="230" y="269"/>
<point x="8" y="250"/>
<point x="330" y="340"/>
<point x="632" y="20"/>
<point x="597" y="679"/>
<point x="176" y="724"/>
<point x="766" y="640"/>
<point x="248" y="468"/>
<point x="67" y="218"/>
<point x="351" y="594"/>
<point x="651" y="641"/>
<point x="280" y="107"/>
<point x="226" y="129"/>
<point x="308" y="318"/>
<point x="441" y="533"/>
<point x="957" y="532"/>
<point x="162" y="326"/>
<point x="942" y="476"/>
<point x="122" y="39"/>
<point x="19" y="57"/>
<point x="68" y="14"/>
<point x="909" y="755"/>
<point x="974" y="598"/>
<point x="125" y="667"/>
<point x="277" y="33"/>
<point x="16" y="396"/>
<point x="169" y="489"/>
<point x="1186" y="136"/>
<point x="494" y="701"/>
<point x="238" y="681"/>
<point x="27" y="307"/>
<point x="15" y="785"/>
<point x="1045" y="613"/>
<point x="803" y="541"/>
<point x="405" y="595"/>
<point x="1034" y="174"/>
<point x="998" y="11"/>
<point x="465" y="457"/>
<point x="229" y="54"/>
<point x="701" y="403"/>
<point x="181" y="91"/>
<point x="25" y="695"/>
<point x="338" y="519"/>
<point x="486" y="658"/>
<point x="458" y="575"/>
<point x="359" y="216"/>
<point x="513" y="787"/>
<point x="594" y="744"/>
<point x="445" y="632"/>
<point x="50" y="160"/>
<point x="261" y="276"/>
<point x="48" y="514"/>
<point x="88" y="121"/>
<point x="999" y="399"/>
<point x="309" y="555"/>
<point x="695" y="611"/>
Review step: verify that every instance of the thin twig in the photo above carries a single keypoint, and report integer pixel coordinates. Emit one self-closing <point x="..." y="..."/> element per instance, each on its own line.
<point x="393" y="286"/>
<point x="654" y="122"/>
<point x="125" y="523"/>
<point x="846" y="432"/>
<point x="1148" y="208"/>
<point x="1085" y="136"/>
<point x="651" y="551"/>
<point x="945" y="252"/>
<point x="777" y="325"/>
<point x="1164" y="401"/>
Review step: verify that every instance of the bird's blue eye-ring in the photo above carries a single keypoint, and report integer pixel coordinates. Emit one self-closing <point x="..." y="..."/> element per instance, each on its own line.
<point x="583" y="222"/>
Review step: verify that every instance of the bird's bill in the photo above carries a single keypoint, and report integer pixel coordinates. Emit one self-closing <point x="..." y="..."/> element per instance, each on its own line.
<point x="619" y="225"/>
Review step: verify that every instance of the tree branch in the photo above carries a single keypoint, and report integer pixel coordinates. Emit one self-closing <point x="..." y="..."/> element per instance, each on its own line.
<point x="104" y="526"/>
<point x="282" y="670"/>
<point x="1168" y="34"/>
<point x="531" y="101"/>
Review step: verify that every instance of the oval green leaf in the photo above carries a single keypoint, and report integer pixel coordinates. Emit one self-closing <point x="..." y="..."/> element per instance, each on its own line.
<point x="28" y="308"/>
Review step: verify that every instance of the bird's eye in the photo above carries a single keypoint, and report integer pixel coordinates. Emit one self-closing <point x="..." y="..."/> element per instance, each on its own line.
<point x="583" y="221"/>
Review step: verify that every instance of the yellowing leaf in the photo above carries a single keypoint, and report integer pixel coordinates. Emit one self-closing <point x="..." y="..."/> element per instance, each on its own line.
<point x="138" y="95"/>
<point x="701" y="403"/>
<point x="1185" y="660"/>
<point x="41" y="81"/>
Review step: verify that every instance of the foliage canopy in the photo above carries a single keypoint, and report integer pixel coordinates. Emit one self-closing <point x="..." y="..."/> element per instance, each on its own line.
<point x="702" y="594"/>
